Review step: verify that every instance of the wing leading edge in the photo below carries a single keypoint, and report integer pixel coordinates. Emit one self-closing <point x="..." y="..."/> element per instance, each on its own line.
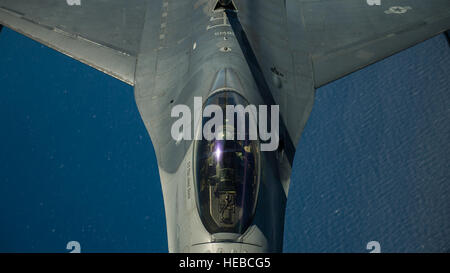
<point x="346" y="35"/>
<point x="103" y="34"/>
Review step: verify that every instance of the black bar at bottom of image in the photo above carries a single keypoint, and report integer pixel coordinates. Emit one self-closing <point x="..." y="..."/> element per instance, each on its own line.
<point x="217" y="262"/>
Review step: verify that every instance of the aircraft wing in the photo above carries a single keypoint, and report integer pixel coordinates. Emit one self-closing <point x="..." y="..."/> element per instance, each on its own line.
<point x="301" y="45"/>
<point x="103" y="34"/>
<point x="346" y="35"/>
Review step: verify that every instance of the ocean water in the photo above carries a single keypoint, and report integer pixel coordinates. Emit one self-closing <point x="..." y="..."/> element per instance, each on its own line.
<point x="76" y="163"/>
<point x="373" y="161"/>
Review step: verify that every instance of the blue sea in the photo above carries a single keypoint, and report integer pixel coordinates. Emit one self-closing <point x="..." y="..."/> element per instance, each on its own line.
<point x="76" y="163"/>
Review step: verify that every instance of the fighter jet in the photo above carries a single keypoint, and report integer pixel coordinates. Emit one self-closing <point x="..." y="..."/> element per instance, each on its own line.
<point x="224" y="195"/>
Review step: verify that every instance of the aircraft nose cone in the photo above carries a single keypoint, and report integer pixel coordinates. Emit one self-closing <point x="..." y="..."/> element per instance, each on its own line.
<point x="227" y="248"/>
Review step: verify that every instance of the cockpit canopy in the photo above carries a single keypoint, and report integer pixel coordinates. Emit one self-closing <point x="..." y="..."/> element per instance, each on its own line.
<point x="227" y="174"/>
